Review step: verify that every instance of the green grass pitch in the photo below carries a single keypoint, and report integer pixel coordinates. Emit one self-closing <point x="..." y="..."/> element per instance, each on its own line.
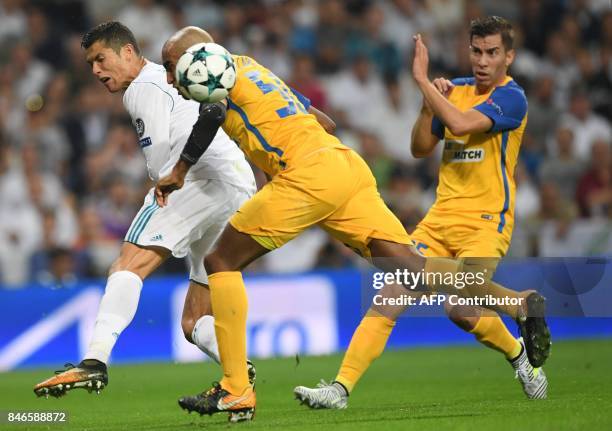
<point x="457" y="388"/>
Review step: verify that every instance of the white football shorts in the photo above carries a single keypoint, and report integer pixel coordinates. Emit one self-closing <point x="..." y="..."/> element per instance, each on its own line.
<point x="190" y="223"/>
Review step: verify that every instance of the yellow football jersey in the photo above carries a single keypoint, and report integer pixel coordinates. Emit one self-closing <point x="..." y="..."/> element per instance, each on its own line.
<point x="476" y="179"/>
<point x="270" y="121"/>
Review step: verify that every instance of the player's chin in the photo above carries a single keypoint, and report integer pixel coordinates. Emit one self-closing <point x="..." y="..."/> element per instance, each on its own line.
<point x="111" y="87"/>
<point x="483" y="79"/>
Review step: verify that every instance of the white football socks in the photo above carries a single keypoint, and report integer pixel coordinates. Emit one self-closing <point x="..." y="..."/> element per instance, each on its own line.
<point x="116" y="311"/>
<point x="204" y="337"/>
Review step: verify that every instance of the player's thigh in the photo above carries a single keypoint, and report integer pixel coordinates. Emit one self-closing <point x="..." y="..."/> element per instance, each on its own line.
<point x="209" y="233"/>
<point x="175" y="226"/>
<point x="364" y="218"/>
<point x="288" y="205"/>
<point x="482" y="251"/>
<point x="429" y="242"/>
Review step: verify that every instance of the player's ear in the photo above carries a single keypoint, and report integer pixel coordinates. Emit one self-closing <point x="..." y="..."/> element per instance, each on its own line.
<point x="129" y="50"/>
<point x="509" y="57"/>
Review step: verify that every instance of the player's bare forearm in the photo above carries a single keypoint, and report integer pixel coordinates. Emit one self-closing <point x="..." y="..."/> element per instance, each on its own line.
<point x="171" y="182"/>
<point x="459" y="123"/>
<point x="423" y="141"/>
<point x="324" y="120"/>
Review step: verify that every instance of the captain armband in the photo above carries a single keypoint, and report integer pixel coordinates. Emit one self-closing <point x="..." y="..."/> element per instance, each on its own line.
<point x="212" y="115"/>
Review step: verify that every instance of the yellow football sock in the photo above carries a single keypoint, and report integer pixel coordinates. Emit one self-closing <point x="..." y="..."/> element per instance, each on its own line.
<point x="367" y="344"/>
<point x="229" y="303"/>
<point x="491" y="331"/>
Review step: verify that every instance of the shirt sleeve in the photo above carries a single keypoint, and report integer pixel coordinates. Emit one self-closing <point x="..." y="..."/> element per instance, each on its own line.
<point x="437" y="128"/>
<point x="150" y="108"/>
<point x="303" y="99"/>
<point x="506" y="107"/>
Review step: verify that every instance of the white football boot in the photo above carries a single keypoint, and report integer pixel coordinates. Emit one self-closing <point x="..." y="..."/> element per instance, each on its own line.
<point x="324" y="396"/>
<point x="533" y="380"/>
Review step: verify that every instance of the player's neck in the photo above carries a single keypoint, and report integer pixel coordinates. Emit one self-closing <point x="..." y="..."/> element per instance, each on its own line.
<point x="484" y="89"/>
<point x="135" y="71"/>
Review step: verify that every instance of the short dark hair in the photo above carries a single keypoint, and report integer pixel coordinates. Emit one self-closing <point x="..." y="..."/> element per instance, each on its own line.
<point x="114" y="35"/>
<point x="491" y="25"/>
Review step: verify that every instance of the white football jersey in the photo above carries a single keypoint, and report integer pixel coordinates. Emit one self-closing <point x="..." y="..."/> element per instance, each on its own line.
<point x="163" y="121"/>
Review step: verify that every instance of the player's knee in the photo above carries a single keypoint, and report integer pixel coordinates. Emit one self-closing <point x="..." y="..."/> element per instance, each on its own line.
<point x="187" y="324"/>
<point x="121" y="265"/>
<point x="389" y="256"/>
<point x="463" y="316"/>
<point x="216" y="263"/>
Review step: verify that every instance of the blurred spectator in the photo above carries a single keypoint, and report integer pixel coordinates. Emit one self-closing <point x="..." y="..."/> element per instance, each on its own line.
<point x="370" y="41"/>
<point x="59" y="270"/>
<point x="116" y="207"/>
<point x="12" y="20"/>
<point x="538" y="18"/>
<point x="587" y="125"/>
<point x="97" y="249"/>
<point x="527" y="199"/>
<point x="594" y="192"/>
<point x="298" y="255"/>
<point x="543" y="115"/>
<point x="234" y="25"/>
<point x="597" y="83"/>
<point x="47" y="45"/>
<point x="270" y="49"/>
<point x="334" y="254"/>
<point x="588" y="21"/>
<point x="331" y="36"/>
<point x="400" y="109"/>
<point x="559" y="63"/>
<point x="447" y="15"/>
<point x="563" y="169"/>
<point x="203" y="13"/>
<point x="606" y="29"/>
<point x="151" y="25"/>
<point x="531" y="155"/>
<point x="353" y="94"/>
<point x="404" y="193"/>
<point x="31" y="75"/>
<point x="374" y="154"/>
<point x="303" y="79"/>
<point x="554" y="210"/>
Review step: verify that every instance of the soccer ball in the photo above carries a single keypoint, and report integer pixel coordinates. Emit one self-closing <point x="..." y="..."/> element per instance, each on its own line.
<point x="205" y="73"/>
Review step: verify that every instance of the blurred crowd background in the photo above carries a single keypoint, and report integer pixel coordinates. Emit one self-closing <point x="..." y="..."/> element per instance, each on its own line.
<point x="72" y="175"/>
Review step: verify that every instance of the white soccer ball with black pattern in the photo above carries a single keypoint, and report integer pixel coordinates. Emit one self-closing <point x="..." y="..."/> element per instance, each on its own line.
<point x="205" y="73"/>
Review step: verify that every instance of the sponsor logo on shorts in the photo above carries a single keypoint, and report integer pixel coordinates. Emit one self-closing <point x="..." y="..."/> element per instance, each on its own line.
<point x="486" y="216"/>
<point x="157" y="237"/>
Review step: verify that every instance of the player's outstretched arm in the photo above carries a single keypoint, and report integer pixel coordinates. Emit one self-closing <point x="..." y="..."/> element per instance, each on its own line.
<point x="459" y="123"/>
<point x="211" y="117"/>
<point x="324" y="120"/>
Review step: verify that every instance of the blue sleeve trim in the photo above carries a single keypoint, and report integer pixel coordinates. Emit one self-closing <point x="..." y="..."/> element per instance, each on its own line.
<point x="303" y="99"/>
<point x="506" y="107"/>
<point x="251" y="128"/>
<point x="437" y="128"/>
<point x="463" y="81"/>
<point x="502" y="214"/>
